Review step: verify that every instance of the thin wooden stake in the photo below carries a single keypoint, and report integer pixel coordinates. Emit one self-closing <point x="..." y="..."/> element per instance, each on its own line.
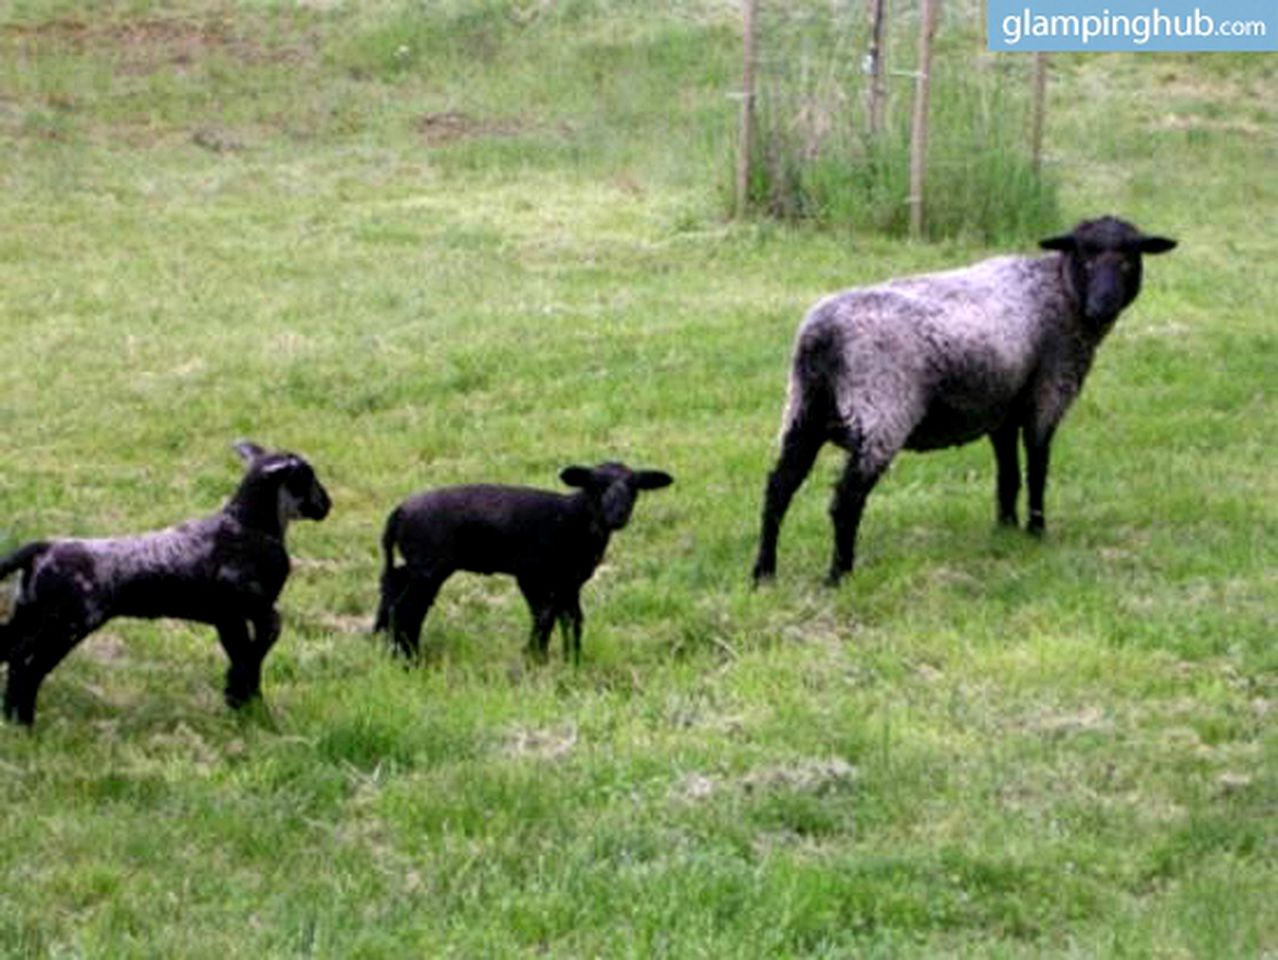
<point x="875" y="68"/>
<point x="918" y="125"/>
<point x="745" y="148"/>
<point x="1039" y="108"/>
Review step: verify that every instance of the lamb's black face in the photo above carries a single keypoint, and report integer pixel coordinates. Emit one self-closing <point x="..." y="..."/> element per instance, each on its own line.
<point x="299" y="490"/>
<point x="617" y="486"/>
<point x="300" y="485"/>
<point x="1103" y="260"/>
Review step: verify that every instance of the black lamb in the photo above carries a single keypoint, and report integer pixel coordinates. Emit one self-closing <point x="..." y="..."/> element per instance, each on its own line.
<point x="226" y="570"/>
<point x="549" y="542"/>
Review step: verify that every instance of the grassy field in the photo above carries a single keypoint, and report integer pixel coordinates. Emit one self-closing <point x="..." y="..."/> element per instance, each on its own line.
<point x="483" y="240"/>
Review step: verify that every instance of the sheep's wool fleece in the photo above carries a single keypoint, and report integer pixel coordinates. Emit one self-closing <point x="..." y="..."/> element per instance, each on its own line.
<point x="934" y="360"/>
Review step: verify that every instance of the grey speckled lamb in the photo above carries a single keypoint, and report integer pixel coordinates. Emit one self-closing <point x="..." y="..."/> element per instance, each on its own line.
<point x="226" y="569"/>
<point x="998" y="349"/>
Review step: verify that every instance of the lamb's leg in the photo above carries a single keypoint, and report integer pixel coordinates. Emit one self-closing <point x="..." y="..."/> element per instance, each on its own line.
<point x="242" y="676"/>
<point x="30" y="662"/>
<point x="394" y="582"/>
<point x="860" y="474"/>
<point x="406" y="614"/>
<point x="544" y="610"/>
<point x="799" y="449"/>
<point x="1008" y="463"/>
<point x="570" y="623"/>
<point x="543" y="624"/>
<point x="1038" y="446"/>
<point x="266" y="630"/>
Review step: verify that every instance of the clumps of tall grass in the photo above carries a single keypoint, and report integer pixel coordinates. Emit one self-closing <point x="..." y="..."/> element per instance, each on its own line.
<point x="815" y="158"/>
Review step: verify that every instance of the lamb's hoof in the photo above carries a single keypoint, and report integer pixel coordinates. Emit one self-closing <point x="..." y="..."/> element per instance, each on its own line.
<point x="255" y="712"/>
<point x="407" y="654"/>
<point x="1036" y="526"/>
<point x="833" y="579"/>
<point x="238" y="699"/>
<point x="762" y="576"/>
<point x="20" y="718"/>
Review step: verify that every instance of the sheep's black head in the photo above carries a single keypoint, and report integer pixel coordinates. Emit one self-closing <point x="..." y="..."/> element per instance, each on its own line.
<point x="615" y="486"/>
<point x="1103" y="264"/>
<point x="298" y="492"/>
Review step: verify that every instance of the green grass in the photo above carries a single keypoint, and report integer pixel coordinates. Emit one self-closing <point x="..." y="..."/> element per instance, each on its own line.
<point x="500" y="252"/>
<point x="815" y="161"/>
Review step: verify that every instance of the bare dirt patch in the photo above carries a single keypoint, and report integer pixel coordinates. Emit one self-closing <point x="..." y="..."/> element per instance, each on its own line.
<point x="542" y="744"/>
<point x="451" y="126"/>
<point x="356" y="624"/>
<point x="810" y="775"/>
<point x="148" y="45"/>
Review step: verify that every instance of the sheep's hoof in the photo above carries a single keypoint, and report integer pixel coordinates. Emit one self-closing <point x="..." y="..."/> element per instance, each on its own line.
<point x="237" y="700"/>
<point x="256" y="712"/>
<point x="20" y="718"/>
<point x="762" y="576"/>
<point x="833" y="579"/>
<point x="406" y="651"/>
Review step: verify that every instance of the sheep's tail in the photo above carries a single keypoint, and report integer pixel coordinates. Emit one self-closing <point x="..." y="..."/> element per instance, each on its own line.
<point x="815" y="372"/>
<point x="11" y="594"/>
<point x="389" y="537"/>
<point x="22" y="558"/>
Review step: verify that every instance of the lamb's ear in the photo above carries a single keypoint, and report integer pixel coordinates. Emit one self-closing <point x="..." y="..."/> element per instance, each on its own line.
<point x="247" y="449"/>
<point x="1155" y="244"/>
<point x="278" y="464"/>
<point x="652" y="479"/>
<point x="577" y="476"/>
<point x="1065" y="243"/>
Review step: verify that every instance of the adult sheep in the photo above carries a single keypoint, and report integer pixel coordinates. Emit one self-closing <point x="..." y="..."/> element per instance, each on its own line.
<point x="998" y="349"/>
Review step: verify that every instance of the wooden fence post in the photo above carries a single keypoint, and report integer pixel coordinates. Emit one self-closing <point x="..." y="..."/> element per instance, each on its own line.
<point x="1039" y="107"/>
<point x="875" y="68"/>
<point x="745" y="147"/>
<point x="918" y="126"/>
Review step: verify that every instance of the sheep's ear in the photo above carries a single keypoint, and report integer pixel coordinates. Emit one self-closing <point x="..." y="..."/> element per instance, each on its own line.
<point x="1155" y="244"/>
<point x="577" y="476"/>
<point x="248" y="450"/>
<point x="278" y="466"/>
<point x="1065" y="243"/>
<point x="652" y="479"/>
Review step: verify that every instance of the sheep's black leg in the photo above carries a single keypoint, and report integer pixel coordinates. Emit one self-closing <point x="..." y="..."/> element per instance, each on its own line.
<point x="539" y="638"/>
<point x="394" y="582"/>
<point x="799" y="449"/>
<point x="242" y="676"/>
<point x="544" y="609"/>
<point x="577" y="620"/>
<point x="1038" y="445"/>
<point x="850" y="493"/>
<point x="1009" y="473"/>
<point x="29" y="663"/>
<point x="266" y="630"/>
<point x="570" y="623"/>
<point x="409" y="610"/>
